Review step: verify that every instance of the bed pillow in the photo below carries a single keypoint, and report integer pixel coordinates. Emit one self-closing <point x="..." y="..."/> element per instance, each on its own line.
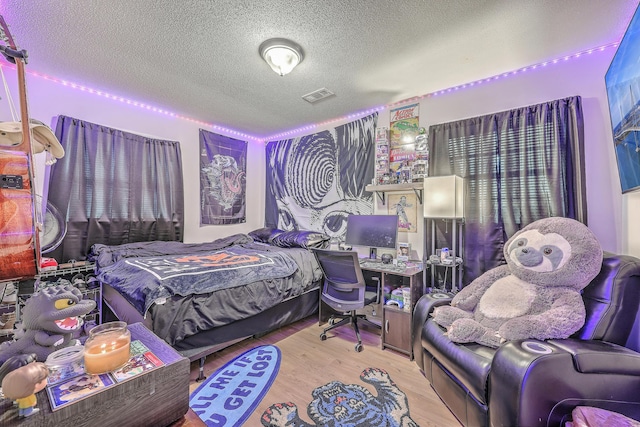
<point x="265" y="234"/>
<point x="301" y="239"/>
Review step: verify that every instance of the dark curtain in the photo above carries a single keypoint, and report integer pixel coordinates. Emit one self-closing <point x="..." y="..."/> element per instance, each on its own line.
<point x="115" y="187"/>
<point x="519" y="166"/>
<point x="315" y="181"/>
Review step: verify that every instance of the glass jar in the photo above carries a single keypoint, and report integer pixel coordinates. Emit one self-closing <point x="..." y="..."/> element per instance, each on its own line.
<point x="65" y="363"/>
<point x="107" y="348"/>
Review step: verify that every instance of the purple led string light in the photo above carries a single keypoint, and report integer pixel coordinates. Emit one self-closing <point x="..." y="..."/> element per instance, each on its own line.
<point x="298" y="130"/>
<point x="133" y="103"/>
<point x="448" y="90"/>
<point x="326" y="122"/>
<point x="508" y="74"/>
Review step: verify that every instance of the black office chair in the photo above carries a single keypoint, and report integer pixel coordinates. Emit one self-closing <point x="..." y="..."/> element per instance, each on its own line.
<point x="344" y="290"/>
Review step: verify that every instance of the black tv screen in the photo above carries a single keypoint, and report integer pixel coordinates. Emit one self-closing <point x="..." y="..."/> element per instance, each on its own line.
<point x="372" y="230"/>
<point x="623" y="93"/>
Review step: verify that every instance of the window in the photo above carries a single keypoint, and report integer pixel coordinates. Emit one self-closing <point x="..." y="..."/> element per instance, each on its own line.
<point x="115" y="187"/>
<point x="519" y="166"/>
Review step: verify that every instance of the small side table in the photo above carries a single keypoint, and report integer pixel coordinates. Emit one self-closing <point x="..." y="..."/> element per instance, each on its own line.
<point x="156" y="398"/>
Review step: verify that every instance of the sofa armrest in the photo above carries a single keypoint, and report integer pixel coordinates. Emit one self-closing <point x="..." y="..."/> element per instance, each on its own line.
<point x="599" y="357"/>
<point x="538" y="383"/>
<point x="421" y="313"/>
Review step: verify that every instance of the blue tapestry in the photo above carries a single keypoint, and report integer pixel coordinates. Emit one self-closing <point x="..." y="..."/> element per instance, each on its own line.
<point x="223" y="170"/>
<point x="315" y="181"/>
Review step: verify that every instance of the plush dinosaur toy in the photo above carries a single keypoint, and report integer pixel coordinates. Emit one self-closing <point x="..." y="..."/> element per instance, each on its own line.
<point x="536" y="294"/>
<point x="50" y="316"/>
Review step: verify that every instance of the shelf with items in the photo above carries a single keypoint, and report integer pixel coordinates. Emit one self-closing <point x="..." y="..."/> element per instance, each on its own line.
<point x="380" y="190"/>
<point x="79" y="275"/>
<point x="441" y="264"/>
<point x="74" y="268"/>
<point x="76" y="275"/>
<point x="8" y="300"/>
<point x="396" y="319"/>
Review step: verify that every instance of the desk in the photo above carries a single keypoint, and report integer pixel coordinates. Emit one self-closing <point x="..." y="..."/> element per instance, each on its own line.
<point x="156" y="398"/>
<point x="396" y="322"/>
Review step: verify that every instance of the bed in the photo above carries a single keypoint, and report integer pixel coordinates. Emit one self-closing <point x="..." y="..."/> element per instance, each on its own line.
<point x="202" y="297"/>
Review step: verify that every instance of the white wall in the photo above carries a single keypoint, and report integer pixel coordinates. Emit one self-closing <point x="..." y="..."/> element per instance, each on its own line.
<point x="610" y="213"/>
<point x="47" y="100"/>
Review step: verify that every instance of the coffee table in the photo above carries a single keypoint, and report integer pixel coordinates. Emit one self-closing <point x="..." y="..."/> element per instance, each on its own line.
<point x="155" y="398"/>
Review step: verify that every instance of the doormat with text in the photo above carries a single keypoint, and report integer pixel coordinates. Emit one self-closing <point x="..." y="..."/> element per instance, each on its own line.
<point x="231" y="394"/>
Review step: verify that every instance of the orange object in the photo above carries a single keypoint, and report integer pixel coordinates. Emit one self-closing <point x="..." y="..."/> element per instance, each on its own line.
<point x="107" y="348"/>
<point x="20" y="247"/>
<point x="17" y="244"/>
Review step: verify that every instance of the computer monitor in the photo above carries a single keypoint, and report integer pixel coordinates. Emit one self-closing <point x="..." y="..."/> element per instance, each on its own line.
<point x="375" y="231"/>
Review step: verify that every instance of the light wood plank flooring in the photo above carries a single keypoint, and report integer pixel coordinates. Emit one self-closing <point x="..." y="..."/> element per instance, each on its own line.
<point x="308" y="362"/>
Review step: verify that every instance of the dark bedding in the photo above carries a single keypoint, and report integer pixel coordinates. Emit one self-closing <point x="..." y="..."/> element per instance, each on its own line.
<point x="205" y="300"/>
<point x="104" y="255"/>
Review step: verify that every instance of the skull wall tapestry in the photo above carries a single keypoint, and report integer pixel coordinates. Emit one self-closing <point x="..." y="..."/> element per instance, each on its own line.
<point x="223" y="169"/>
<point x="315" y="181"/>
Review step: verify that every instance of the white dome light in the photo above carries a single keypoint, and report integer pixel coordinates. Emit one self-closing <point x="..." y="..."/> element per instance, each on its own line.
<point x="282" y="55"/>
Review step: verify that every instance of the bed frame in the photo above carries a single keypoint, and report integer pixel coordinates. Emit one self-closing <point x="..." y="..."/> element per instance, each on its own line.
<point x="199" y="346"/>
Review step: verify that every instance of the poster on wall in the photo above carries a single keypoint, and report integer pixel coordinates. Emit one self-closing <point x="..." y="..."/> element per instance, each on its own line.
<point x="315" y="181"/>
<point x="223" y="169"/>
<point x="403" y="129"/>
<point x="405" y="206"/>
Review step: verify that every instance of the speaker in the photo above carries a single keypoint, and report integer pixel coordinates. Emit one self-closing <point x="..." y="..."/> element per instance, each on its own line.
<point x="386" y="258"/>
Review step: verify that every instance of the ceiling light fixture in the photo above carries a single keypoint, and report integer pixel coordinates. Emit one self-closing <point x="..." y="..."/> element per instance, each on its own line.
<point x="282" y="55"/>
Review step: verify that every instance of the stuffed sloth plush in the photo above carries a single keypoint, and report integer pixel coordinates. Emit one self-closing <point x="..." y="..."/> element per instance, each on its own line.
<point x="535" y="295"/>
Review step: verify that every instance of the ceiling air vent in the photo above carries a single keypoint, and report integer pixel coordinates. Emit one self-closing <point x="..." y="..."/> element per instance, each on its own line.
<point x="317" y="95"/>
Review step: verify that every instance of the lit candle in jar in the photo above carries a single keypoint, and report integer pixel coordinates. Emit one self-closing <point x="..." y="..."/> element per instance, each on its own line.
<point x="108" y="348"/>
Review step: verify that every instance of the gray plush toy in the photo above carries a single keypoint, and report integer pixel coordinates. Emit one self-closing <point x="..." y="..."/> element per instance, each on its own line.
<point x="535" y="295"/>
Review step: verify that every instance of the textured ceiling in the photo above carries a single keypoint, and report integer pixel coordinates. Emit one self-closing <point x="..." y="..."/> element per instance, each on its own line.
<point x="200" y="58"/>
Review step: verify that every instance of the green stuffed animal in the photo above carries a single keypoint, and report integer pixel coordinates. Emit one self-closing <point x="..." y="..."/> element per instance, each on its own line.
<point x="49" y="318"/>
<point x="536" y="294"/>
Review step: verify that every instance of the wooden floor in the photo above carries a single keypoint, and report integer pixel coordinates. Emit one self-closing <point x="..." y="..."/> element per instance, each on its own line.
<point x="308" y="362"/>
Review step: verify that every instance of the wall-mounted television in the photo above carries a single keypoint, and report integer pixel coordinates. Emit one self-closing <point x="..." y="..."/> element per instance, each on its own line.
<point x="623" y="92"/>
<point x="376" y="231"/>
